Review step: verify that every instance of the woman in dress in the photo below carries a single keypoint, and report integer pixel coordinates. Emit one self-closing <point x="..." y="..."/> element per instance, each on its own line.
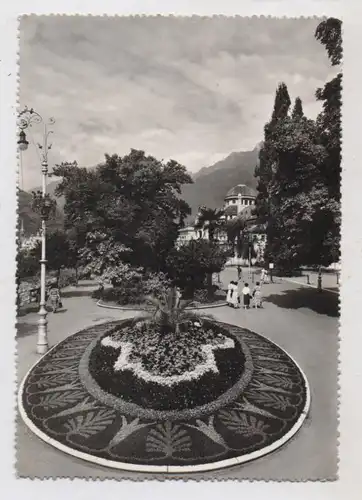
<point x="257" y="295"/>
<point x="235" y="295"/>
<point x="246" y="296"/>
<point x="262" y="275"/>
<point x="230" y="294"/>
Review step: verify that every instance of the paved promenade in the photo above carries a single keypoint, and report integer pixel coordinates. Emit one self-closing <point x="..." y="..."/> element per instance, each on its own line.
<point x="301" y="321"/>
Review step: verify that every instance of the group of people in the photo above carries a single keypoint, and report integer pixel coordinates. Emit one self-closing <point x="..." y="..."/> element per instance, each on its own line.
<point x="235" y="296"/>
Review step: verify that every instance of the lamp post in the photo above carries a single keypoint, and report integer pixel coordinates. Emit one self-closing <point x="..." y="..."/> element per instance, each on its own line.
<point x="250" y="245"/>
<point x="28" y="117"/>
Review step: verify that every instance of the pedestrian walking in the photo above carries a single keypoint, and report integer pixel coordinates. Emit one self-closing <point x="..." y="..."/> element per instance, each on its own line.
<point x="229" y="293"/>
<point x="235" y="295"/>
<point x="239" y="273"/>
<point x="257" y="296"/>
<point x="246" y="296"/>
<point x="232" y="298"/>
<point x="178" y="296"/>
<point x="264" y="277"/>
<point x="54" y="297"/>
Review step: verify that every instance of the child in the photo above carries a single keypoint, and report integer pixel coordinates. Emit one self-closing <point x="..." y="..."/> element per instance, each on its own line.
<point x="246" y="296"/>
<point x="257" y="295"/>
<point x="54" y="297"/>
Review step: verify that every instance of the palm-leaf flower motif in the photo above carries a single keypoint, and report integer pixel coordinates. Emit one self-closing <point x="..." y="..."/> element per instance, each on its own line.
<point x="91" y="423"/>
<point x="240" y="423"/>
<point x="278" y="380"/>
<point x="59" y="399"/>
<point x="168" y="439"/>
<point x="277" y="401"/>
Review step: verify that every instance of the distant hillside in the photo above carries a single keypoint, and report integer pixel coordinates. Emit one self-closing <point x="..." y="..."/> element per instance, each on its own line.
<point x="51" y="189"/>
<point x="31" y="220"/>
<point x="212" y="183"/>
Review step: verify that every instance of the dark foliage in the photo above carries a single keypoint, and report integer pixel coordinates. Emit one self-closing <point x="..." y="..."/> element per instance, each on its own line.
<point x="189" y="265"/>
<point x="129" y="204"/>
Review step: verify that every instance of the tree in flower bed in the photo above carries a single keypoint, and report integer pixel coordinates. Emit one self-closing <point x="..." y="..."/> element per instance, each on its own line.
<point x="191" y="264"/>
<point x="173" y="359"/>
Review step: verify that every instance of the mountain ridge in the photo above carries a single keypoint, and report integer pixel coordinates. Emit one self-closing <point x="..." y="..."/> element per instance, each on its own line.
<point x="212" y="183"/>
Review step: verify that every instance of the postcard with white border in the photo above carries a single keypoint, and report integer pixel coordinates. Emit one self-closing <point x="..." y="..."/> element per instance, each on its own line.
<point x="178" y="247"/>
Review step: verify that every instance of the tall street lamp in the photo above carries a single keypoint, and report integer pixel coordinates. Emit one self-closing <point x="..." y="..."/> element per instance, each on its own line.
<point x="28" y="117"/>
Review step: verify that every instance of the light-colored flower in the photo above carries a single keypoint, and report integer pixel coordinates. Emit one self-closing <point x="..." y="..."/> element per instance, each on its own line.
<point x="208" y="363"/>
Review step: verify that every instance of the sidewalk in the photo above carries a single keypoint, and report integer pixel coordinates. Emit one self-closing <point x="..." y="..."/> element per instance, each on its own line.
<point x="310" y="337"/>
<point x="310" y="278"/>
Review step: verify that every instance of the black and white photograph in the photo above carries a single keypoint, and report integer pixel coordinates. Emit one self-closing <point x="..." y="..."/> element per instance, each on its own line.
<point x="178" y="247"/>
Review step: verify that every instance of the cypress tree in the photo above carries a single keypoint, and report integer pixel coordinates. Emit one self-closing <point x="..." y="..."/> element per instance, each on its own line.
<point x="298" y="109"/>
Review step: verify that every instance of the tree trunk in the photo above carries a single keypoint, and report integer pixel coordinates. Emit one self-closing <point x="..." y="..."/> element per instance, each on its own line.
<point x="209" y="284"/>
<point x="319" y="283"/>
<point x="58" y="277"/>
<point x="76" y="275"/>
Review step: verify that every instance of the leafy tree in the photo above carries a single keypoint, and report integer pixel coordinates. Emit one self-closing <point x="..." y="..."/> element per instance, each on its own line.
<point x="189" y="265"/>
<point x="298" y="195"/>
<point x="131" y="204"/>
<point x="299" y="172"/>
<point x="329" y="33"/>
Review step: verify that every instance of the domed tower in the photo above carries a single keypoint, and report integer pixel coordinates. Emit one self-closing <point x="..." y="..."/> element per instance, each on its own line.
<point x="238" y="199"/>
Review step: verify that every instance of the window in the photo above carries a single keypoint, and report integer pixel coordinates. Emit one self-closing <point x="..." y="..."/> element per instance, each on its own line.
<point x="234" y="201"/>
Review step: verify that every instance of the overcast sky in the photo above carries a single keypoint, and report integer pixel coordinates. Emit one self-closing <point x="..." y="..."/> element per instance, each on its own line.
<point x="191" y="89"/>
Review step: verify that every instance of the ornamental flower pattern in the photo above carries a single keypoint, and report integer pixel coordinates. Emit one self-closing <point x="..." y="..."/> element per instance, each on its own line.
<point x="242" y="423"/>
<point x="125" y="362"/>
<point x="168" y="439"/>
<point x="55" y="400"/>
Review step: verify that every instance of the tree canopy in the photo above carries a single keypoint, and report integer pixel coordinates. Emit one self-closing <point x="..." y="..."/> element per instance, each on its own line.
<point x="299" y="172"/>
<point x="129" y="204"/>
<point x="190" y="265"/>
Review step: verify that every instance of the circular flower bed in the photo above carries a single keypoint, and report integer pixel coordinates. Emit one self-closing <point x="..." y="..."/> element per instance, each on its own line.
<point x="63" y="404"/>
<point x="164" y="370"/>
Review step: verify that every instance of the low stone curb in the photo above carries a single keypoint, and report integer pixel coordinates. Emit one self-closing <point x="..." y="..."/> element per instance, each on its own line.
<point x="126" y="308"/>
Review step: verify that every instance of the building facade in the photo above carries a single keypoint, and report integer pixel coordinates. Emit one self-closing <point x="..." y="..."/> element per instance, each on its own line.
<point x="238" y="200"/>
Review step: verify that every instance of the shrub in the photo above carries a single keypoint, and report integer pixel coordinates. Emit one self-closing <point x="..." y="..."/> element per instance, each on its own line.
<point x="67" y="277"/>
<point x="203" y="295"/>
<point x="155" y="284"/>
<point x="191" y="264"/>
<point x="134" y="287"/>
<point x="84" y="274"/>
